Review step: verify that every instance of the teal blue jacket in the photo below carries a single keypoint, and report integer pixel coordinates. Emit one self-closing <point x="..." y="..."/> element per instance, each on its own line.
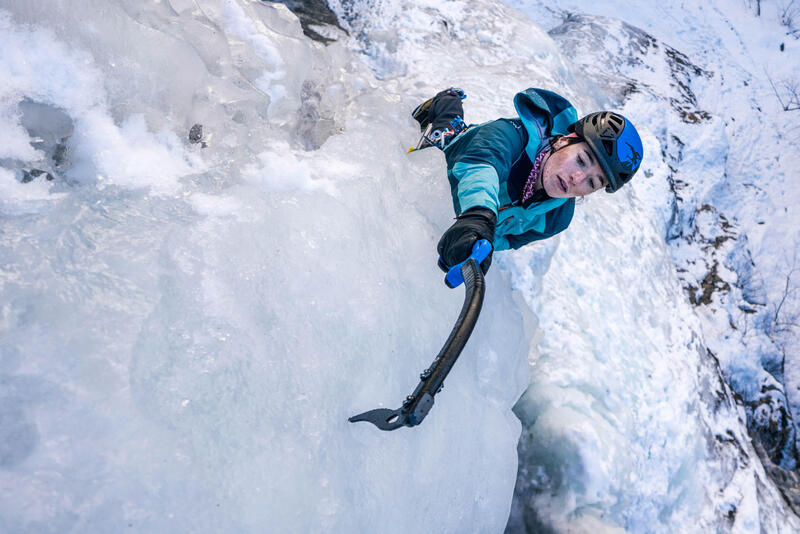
<point x="480" y="161"/>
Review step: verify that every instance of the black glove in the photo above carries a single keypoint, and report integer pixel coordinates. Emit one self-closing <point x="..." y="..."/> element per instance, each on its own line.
<point x="471" y="226"/>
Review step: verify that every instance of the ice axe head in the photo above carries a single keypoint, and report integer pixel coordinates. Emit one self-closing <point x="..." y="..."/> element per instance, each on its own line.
<point x="383" y="418"/>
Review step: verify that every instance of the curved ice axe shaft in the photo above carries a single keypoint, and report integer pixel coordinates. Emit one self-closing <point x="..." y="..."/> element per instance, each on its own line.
<point x="418" y="404"/>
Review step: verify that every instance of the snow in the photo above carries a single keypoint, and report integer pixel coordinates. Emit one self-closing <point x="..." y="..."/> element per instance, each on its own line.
<point x="279" y="169"/>
<point x="717" y="225"/>
<point x="185" y="326"/>
<point x="41" y="68"/>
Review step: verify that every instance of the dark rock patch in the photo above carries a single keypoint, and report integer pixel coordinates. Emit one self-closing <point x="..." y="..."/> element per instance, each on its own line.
<point x="312" y="13"/>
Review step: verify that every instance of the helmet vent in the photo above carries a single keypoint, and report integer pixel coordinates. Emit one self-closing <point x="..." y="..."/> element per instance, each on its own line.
<point x="624" y="177"/>
<point x="609" y="146"/>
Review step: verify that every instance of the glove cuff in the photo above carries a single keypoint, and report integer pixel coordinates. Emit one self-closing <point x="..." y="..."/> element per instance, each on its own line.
<point x="480" y="213"/>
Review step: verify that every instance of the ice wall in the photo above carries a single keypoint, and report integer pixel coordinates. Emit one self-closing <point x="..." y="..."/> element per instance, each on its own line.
<point x="214" y="250"/>
<point x="188" y="319"/>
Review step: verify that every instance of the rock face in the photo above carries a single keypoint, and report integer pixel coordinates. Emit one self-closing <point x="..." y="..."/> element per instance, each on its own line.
<point x="710" y="246"/>
<point x="50" y="129"/>
<point x="314" y="15"/>
<point x="787" y="481"/>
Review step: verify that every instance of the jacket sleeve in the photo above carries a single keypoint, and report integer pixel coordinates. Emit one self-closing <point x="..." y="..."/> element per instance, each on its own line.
<point x="556" y="221"/>
<point x="485" y="157"/>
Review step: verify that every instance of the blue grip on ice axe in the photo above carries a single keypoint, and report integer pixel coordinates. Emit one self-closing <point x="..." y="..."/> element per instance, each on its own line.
<point x="480" y="250"/>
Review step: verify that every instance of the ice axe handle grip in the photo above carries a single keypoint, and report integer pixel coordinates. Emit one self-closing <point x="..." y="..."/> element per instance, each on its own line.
<point x="480" y="250"/>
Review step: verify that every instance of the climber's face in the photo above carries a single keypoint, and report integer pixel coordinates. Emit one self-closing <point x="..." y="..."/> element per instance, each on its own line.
<point x="572" y="171"/>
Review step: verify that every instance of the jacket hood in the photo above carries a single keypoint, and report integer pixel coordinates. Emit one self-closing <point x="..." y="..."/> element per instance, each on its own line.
<point x="543" y="114"/>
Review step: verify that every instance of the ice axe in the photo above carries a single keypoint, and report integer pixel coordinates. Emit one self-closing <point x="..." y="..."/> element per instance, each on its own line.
<point x="417" y="405"/>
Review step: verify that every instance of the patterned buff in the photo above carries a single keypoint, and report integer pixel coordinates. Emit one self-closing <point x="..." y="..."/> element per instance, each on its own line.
<point x="527" y="191"/>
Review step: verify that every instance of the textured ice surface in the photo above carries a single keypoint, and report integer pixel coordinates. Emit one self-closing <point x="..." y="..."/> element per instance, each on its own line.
<point x="186" y="326"/>
<point x="184" y="331"/>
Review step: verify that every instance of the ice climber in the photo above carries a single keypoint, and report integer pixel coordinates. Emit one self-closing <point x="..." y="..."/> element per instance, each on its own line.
<point x="515" y="181"/>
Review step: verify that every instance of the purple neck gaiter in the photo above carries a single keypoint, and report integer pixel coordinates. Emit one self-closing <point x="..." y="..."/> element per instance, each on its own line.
<point x="527" y="191"/>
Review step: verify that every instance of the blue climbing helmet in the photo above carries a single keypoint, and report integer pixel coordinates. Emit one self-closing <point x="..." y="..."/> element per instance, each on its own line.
<point x="615" y="142"/>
